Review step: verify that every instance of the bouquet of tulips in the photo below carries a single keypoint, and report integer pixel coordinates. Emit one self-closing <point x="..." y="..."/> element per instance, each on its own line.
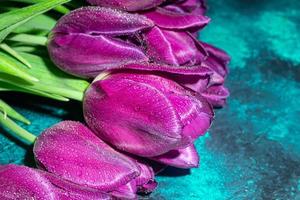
<point x="153" y="89"/>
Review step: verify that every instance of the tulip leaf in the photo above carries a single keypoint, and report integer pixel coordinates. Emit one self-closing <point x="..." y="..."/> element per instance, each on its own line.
<point x="5" y="86"/>
<point x="15" y="54"/>
<point x="52" y="80"/>
<point x="60" y="8"/>
<point x="29" y="39"/>
<point x="39" y="25"/>
<point x="10" y="66"/>
<point x="14" y="18"/>
<point x="10" y="112"/>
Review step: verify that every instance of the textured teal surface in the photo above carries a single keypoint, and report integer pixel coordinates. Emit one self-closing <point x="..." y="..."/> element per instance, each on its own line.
<point x="253" y="149"/>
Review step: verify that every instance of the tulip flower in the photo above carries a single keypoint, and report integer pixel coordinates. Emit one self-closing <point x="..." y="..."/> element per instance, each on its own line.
<point x="20" y="182"/>
<point x="144" y="114"/>
<point x="71" y="151"/>
<point x="91" y="40"/>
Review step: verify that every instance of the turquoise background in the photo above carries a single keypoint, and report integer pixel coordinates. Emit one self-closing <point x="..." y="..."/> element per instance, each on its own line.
<point x="252" y="150"/>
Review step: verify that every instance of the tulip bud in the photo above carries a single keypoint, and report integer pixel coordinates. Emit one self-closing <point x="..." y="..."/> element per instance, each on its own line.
<point x="128" y="5"/>
<point x="146" y="115"/>
<point x="90" y="40"/>
<point x="74" y="153"/>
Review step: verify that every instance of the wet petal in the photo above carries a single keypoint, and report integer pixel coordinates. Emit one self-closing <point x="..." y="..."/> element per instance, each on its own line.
<point x="195" y="114"/>
<point x="216" y="95"/>
<point x="127" y="191"/>
<point x="174" y="20"/>
<point x="172" y="69"/>
<point x="87" y="56"/>
<point x="163" y="47"/>
<point x="73" y="152"/>
<point x="20" y="182"/>
<point x="129" y="5"/>
<point x="99" y="20"/>
<point x="133" y="115"/>
<point x="142" y="114"/>
<point x="67" y="190"/>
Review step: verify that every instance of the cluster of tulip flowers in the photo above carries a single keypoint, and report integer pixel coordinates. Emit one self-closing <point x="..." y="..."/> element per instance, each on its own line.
<point x="153" y="93"/>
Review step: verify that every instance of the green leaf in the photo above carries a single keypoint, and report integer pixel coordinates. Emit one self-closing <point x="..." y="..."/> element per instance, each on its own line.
<point x="61" y="9"/>
<point x="39" y="25"/>
<point x="5" y="86"/>
<point x="12" y="19"/>
<point x="10" y="66"/>
<point x="52" y="80"/>
<point x="15" y="54"/>
<point x="9" y="111"/>
<point x="29" y="39"/>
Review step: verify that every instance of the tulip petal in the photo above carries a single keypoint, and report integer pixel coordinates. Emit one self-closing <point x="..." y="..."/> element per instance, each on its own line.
<point x="127" y="191"/>
<point x="195" y="114"/>
<point x="193" y="6"/>
<point x="19" y="182"/>
<point x="99" y="20"/>
<point x="133" y="115"/>
<point x="179" y="70"/>
<point x="174" y="20"/>
<point x="69" y="191"/>
<point x="216" y="95"/>
<point x="128" y="5"/>
<point x="87" y="56"/>
<point x="163" y="47"/>
<point x="73" y="152"/>
<point x="217" y="60"/>
<point x="182" y="158"/>
<point x="145" y="181"/>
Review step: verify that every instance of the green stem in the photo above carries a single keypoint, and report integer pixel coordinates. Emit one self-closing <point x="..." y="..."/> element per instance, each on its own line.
<point x="20" y="132"/>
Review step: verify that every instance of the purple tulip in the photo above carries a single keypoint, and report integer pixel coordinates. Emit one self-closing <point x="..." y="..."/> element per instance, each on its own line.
<point x="20" y="182"/>
<point x="128" y="5"/>
<point x="146" y="115"/>
<point x="94" y="39"/>
<point x="73" y="152"/>
<point x="182" y="158"/>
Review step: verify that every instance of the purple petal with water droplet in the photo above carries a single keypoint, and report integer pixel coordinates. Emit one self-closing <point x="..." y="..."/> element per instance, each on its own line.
<point x="129" y="5"/>
<point x="174" y="20"/>
<point x="20" y="182"/>
<point x="139" y="114"/>
<point x="73" y="152"/>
